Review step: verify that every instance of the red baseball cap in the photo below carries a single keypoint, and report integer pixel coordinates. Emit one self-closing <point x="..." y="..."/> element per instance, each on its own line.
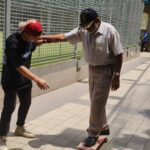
<point x="33" y="28"/>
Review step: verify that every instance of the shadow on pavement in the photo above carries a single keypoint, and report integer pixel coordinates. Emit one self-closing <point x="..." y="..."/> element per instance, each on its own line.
<point x="69" y="138"/>
<point x="131" y="141"/>
<point x="83" y="81"/>
<point x="145" y="113"/>
<point x="16" y="149"/>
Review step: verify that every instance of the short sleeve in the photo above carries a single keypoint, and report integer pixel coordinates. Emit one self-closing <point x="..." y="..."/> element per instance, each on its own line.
<point x="73" y="36"/>
<point x="12" y="53"/>
<point x="115" y="43"/>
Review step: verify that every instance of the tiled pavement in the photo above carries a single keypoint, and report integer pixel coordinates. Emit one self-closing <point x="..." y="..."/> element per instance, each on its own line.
<point x="60" y="117"/>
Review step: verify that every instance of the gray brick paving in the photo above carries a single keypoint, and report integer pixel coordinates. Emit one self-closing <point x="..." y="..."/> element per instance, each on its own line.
<point x="60" y="118"/>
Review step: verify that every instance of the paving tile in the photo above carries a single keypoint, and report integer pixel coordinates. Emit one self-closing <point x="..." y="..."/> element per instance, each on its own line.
<point x="15" y="145"/>
<point x="147" y="145"/>
<point x="85" y="97"/>
<point x="61" y="142"/>
<point x="122" y="138"/>
<point x="63" y="127"/>
<point x="135" y="146"/>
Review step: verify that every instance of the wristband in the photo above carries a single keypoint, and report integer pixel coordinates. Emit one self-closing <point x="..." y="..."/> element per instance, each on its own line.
<point x="117" y="74"/>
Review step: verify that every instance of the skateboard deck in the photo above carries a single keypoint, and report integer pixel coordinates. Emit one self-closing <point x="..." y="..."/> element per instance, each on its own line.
<point x="101" y="140"/>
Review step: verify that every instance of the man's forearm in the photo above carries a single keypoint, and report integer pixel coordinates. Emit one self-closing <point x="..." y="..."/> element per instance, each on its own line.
<point x="118" y="64"/>
<point x="27" y="73"/>
<point x="55" y="38"/>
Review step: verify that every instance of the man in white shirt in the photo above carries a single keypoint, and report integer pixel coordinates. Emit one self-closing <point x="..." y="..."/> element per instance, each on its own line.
<point x="104" y="53"/>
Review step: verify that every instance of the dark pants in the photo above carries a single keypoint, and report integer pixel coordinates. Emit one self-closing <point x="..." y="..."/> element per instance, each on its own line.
<point x="144" y="46"/>
<point x="24" y="95"/>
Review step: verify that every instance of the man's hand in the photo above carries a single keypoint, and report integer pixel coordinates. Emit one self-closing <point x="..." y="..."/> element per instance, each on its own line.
<point x="41" y="84"/>
<point x="28" y="74"/>
<point x="115" y="84"/>
<point x="45" y="39"/>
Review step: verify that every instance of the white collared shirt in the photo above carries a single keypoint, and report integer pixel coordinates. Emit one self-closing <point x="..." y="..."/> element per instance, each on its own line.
<point x="99" y="48"/>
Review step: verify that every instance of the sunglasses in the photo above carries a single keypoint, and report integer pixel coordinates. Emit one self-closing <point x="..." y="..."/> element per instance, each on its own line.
<point x="89" y="25"/>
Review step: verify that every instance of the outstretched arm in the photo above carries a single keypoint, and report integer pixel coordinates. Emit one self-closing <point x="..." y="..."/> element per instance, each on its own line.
<point x="53" y="38"/>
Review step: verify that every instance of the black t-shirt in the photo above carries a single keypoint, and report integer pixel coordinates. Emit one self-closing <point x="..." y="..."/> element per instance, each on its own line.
<point x="17" y="53"/>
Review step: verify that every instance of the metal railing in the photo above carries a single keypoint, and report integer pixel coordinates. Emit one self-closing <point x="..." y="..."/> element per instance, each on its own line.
<point x="59" y="16"/>
<point x="2" y="30"/>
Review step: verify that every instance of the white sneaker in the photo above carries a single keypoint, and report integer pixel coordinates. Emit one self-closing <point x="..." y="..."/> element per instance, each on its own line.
<point x="3" y="145"/>
<point x="21" y="131"/>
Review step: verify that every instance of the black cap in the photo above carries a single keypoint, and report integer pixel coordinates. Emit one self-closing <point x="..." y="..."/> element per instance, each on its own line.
<point x="87" y="16"/>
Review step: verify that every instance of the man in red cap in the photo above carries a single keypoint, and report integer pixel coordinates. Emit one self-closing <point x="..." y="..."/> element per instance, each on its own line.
<point x="16" y="77"/>
<point x="103" y="52"/>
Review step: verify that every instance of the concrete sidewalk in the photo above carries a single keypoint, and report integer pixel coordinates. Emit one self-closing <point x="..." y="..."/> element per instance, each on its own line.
<point x="60" y="117"/>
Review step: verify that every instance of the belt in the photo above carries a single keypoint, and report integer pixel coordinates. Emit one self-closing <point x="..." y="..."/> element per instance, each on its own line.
<point x="95" y="66"/>
<point x="100" y="66"/>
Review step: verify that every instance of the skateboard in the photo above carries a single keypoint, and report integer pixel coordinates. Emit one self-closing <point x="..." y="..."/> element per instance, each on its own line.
<point x="101" y="140"/>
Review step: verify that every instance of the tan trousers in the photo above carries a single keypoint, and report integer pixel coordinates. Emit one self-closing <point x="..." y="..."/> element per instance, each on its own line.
<point x="99" y="87"/>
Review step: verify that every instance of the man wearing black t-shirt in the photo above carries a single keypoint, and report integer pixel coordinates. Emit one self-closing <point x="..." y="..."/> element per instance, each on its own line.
<point x="16" y="78"/>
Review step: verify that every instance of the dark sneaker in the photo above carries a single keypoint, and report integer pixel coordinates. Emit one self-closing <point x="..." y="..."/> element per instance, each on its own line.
<point x="105" y="132"/>
<point x="90" y="141"/>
